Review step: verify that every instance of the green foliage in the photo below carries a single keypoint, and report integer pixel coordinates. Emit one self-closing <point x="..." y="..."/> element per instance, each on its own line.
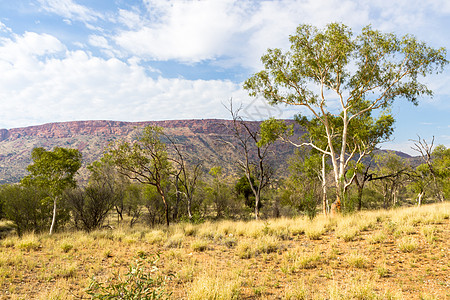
<point x="145" y="160"/>
<point x="140" y="282"/>
<point x="135" y="199"/>
<point x="218" y="192"/>
<point x="441" y="165"/>
<point x="302" y="187"/>
<point x="90" y="205"/>
<point x="365" y="73"/>
<point x="27" y="206"/>
<point x="271" y="130"/>
<point x="53" y="170"/>
<point x="242" y="187"/>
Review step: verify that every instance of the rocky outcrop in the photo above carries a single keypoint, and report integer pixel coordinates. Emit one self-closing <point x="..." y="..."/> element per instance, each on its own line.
<point x="115" y="128"/>
<point x="201" y="139"/>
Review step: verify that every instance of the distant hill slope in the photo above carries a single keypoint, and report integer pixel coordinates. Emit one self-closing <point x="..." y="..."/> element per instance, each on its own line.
<point x="210" y="141"/>
<point x="200" y="139"/>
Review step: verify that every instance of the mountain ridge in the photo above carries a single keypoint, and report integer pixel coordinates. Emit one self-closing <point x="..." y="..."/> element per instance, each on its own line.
<point x="208" y="140"/>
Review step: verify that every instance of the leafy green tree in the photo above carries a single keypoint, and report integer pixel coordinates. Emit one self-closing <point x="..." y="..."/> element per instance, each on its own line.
<point x="146" y="161"/>
<point x="243" y="188"/>
<point x="104" y="174"/>
<point x="390" y="177"/>
<point x="134" y="202"/>
<point x="359" y="74"/>
<point x="187" y="178"/>
<point x="54" y="171"/>
<point x="441" y="165"/>
<point x="421" y="179"/>
<point x="426" y="152"/>
<point x="218" y="192"/>
<point x="304" y="185"/>
<point x="90" y="205"/>
<point x="28" y="207"/>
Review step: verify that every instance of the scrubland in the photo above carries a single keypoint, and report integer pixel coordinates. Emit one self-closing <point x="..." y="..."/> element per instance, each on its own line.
<point x="402" y="253"/>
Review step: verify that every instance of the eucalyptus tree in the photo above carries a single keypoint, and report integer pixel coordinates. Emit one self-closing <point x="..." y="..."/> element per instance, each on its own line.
<point x="105" y="174"/>
<point x="426" y="150"/>
<point x="187" y="176"/>
<point x="255" y="155"/>
<point x="145" y="160"/>
<point x="335" y="75"/>
<point x="53" y="171"/>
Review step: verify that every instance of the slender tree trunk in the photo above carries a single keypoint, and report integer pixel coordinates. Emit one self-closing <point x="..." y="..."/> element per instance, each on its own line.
<point x="257" y="198"/>
<point x="419" y="198"/>
<point x="360" y="187"/>
<point x="54" y="216"/>
<point x="166" y="209"/>
<point x="166" y="205"/>
<point x="177" y="192"/>
<point x="189" y="201"/>
<point x="324" y="187"/>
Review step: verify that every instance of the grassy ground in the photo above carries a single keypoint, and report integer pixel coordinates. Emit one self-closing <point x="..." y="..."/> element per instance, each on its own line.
<point x="396" y="254"/>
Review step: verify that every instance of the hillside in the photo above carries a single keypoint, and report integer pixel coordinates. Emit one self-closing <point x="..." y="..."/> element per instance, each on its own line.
<point x="207" y="140"/>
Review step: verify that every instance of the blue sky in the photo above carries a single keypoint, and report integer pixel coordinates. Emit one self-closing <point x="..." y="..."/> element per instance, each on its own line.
<point x="134" y="60"/>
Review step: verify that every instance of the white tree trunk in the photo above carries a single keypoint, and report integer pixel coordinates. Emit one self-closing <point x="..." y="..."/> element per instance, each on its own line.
<point x="54" y="216"/>
<point x="419" y="198"/>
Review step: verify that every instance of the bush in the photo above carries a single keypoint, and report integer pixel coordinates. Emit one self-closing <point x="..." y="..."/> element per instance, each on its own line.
<point x="28" y="208"/>
<point x="90" y="205"/>
<point x="138" y="283"/>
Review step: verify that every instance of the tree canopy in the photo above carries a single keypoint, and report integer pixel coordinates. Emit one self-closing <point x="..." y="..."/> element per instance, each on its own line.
<point x="54" y="171"/>
<point x="341" y="79"/>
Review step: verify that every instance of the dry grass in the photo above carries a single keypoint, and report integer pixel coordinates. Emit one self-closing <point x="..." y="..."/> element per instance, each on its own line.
<point x="395" y="254"/>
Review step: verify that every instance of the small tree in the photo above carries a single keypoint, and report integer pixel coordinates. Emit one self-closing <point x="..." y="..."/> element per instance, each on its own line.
<point x="104" y="173"/>
<point x="441" y="165"/>
<point x="254" y="155"/>
<point x="187" y="177"/>
<point x="391" y="175"/>
<point x="53" y="171"/>
<point x="421" y="146"/>
<point x="90" y="205"/>
<point x="26" y="206"/>
<point x="145" y="160"/>
<point x="134" y="202"/>
<point x="218" y="192"/>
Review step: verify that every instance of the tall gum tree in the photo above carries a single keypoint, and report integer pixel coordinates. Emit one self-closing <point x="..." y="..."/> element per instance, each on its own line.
<point x="357" y="74"/>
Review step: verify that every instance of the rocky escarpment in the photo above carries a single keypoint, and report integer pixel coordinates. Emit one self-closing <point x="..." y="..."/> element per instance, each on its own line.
<point x="117" y="128"/>
<point x="208" y="140"/>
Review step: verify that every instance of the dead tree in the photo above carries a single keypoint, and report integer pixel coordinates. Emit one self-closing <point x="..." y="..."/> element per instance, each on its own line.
<point x="421" y="146"/>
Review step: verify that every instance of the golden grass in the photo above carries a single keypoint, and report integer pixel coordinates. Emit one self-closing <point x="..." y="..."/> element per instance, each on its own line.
<point x="367" y="255"/>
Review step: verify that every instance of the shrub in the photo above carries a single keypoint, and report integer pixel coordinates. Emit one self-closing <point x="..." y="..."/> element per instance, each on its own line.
<point x="90" y="205"/>
<point x="199" y="245"/>
<point x="407" y="244"/>
<point x="215" y="287"/>
<point x="27" y="207"/>
<point x="138" y="283"/>
<point x="358" y="261"/>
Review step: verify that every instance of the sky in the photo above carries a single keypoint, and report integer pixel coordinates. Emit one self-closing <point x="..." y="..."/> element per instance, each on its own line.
<point x="141" y="60"/>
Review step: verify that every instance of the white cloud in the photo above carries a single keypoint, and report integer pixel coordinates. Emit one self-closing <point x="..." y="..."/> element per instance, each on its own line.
<point x="70" y="10"/>
<point x="75" y="85"/>
<point x="193" y="31"/>
<point x="4" y="28"/>
<point x="18" y="50"/>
